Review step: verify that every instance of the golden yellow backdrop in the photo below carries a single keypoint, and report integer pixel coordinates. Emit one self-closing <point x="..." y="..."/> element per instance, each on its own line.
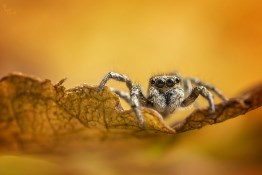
<point x="219" y="41"/>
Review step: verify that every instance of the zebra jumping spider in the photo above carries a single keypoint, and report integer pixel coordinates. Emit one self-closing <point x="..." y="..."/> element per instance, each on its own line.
<point x="166" y="93"/>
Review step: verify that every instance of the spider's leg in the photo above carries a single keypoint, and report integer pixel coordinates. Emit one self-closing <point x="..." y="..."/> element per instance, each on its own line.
<point x="115" y="76"/>
<point x="135" y="95"/>
<point x="199" y="90"/>
<point x="187" y="86"/>
<point x="209" y="87"/>
<point x="122" y="94"/>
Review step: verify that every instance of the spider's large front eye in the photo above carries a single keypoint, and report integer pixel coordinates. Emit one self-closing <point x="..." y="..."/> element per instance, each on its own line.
<point x="170" y="82"/>
<point x="152" y="81"/>
<point x="160" y="83"/>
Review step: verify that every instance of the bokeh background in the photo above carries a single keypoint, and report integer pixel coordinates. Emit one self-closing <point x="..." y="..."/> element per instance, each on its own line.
<point x="217" y="41"/>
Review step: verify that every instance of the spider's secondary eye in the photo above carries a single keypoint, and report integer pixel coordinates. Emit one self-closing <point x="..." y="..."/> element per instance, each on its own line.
<point x="160" y="83"/>
<point x="170" y="82"/>
<point x="152" y="81"/>
<point x="177" y="80"/>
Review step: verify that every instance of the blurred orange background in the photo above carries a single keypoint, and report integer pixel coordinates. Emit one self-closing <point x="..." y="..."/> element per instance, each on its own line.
<point x="216" y="41"/>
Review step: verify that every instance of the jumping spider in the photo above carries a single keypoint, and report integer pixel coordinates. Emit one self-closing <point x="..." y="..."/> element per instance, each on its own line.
<point x="166" y="93"/>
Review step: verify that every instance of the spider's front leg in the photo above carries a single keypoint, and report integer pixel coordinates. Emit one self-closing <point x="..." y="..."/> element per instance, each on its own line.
<point x="199" y="90"/>
<point x="115" y="76"/>
<point x="208" y="86"/>
<point x="122" y="94"/>
<point x="135" y="97"/>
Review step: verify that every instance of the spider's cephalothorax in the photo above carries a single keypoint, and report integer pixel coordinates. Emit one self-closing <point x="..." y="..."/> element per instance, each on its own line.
<point x="166" y="93"/>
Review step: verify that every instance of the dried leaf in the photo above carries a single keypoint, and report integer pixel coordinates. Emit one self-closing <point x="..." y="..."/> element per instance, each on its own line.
<point x="234" y="107"/>
<point x="36" y="115"/>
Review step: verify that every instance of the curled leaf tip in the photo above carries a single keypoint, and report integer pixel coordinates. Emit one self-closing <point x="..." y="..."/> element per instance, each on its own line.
<point x="234" y="107"/>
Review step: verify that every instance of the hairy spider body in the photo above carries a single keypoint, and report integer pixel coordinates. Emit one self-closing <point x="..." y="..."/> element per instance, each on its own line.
<point x="166" y="93"/>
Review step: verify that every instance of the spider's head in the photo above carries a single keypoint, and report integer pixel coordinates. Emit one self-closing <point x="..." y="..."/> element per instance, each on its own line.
<point x="165" y="82"/>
